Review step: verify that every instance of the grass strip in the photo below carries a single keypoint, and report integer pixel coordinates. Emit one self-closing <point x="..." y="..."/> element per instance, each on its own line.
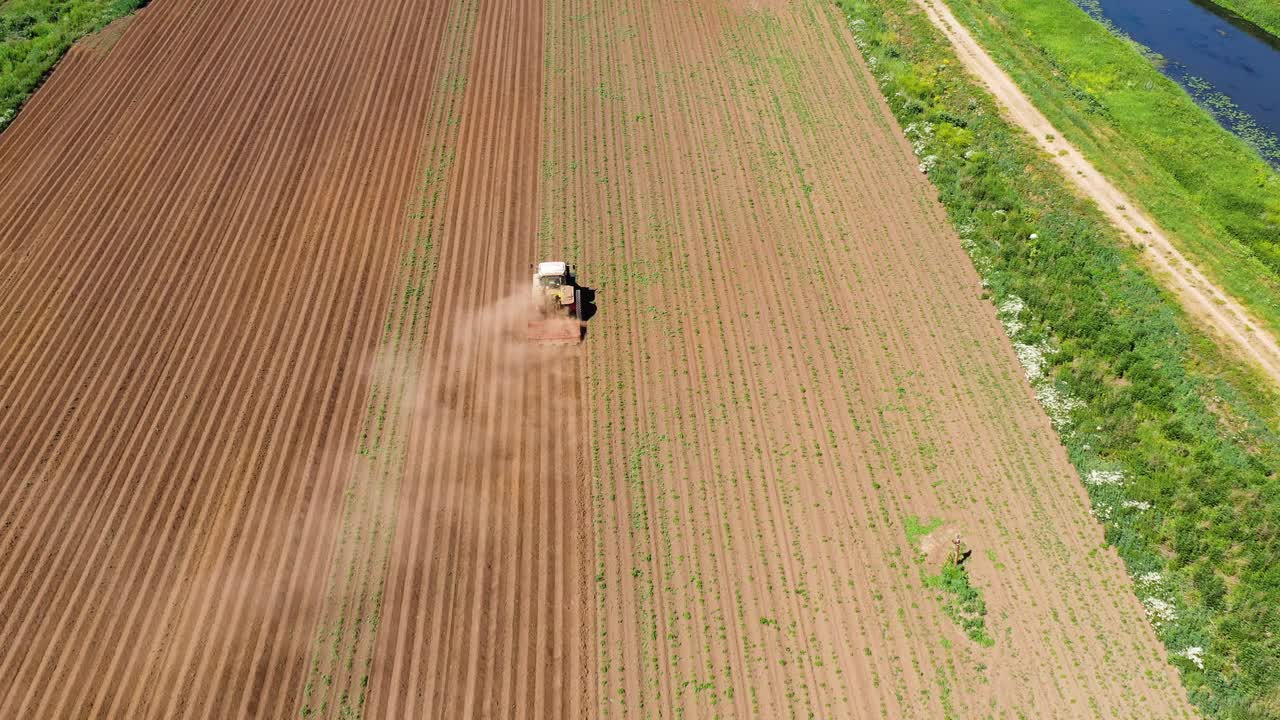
<point x="1263" y="13"/>
<point x="1175" y="443"/>
<point x="34" y="34"/>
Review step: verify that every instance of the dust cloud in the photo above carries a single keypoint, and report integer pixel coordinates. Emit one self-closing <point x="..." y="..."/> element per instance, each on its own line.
<point x="478" y="408"/>
<point x="488" y="395"/>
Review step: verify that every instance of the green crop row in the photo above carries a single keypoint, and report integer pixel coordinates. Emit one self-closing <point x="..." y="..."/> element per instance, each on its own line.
<point x="1176" y="444"/>
<point x="34" y="34"/>
<point x="962" y="602"/>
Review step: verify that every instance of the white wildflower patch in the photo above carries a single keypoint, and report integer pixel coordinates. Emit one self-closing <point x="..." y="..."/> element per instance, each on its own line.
<point x="1150" y="578"/>
<point x="1195" y="654"/>
<point x="1137" y="504"/>
<point x="1158" y="610"/>
<point x="856" y="27"/>
<point x="1010" y="310"/>
<point x="928" y="163"/>
<point x="1057" y="404"/>
<point x="1031" y="358"/>
<point x="918" y="129"/>
<point x="1098" y="478"/>
<point x="920" y="133"/>
<point x="1013" y="305"/>
<point x="1013" y="326"/>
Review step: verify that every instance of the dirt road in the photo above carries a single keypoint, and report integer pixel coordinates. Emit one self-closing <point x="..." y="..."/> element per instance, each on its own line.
<point x="1219" y="313"/>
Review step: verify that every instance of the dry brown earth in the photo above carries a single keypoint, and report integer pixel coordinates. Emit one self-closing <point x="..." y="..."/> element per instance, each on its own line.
<point x="197" y="244"/>
<point x="793" y="356"/>
<point x="270" y="445"/>
<point x="222" y="226"/>
<point x="487" y="611"/>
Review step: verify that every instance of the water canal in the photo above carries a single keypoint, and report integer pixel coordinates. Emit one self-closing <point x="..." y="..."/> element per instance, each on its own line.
<point x="1229" y="65"/>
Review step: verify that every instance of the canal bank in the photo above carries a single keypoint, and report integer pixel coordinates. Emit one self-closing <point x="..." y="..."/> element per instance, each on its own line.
<point x="1228" y="64"/>
<point x="1212" y="194"/>
<point x="1209" y="305"/>
<point x="1264" y="14"/>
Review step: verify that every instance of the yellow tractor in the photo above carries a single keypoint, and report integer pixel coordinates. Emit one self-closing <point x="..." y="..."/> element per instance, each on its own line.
<point x="555" y="298"/>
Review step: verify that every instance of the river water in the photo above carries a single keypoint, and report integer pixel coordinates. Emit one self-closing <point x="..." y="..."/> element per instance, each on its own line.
<point x="1213" y="53"/>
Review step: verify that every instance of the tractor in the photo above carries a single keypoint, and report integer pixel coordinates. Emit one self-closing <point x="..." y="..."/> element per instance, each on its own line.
<point x="555" y="299"/>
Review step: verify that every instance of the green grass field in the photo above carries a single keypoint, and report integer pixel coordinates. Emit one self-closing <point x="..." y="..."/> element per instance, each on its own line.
<point x="1175" y="443"/>
<point x="1263" y="13"/>
<point x="35" y="33"/>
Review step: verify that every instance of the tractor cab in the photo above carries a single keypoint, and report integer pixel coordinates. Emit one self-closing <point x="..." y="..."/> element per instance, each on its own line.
<point x="554" y="291"/>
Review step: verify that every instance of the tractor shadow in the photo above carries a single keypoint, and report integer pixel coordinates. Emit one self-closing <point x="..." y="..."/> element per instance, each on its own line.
<point x="586" y="304"/>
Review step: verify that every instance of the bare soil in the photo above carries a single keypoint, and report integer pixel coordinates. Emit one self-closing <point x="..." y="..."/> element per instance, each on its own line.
<point x="271" y="444"/>
<point x="487" y="611"/>
<point x="793" y="357"/>
<point x="196" y="248"/>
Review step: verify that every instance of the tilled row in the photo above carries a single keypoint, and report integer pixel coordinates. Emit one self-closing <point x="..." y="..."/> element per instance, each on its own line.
<point x="798" y="362"/>
<point x="204" y="233"/>
<point x="484" y="613"/>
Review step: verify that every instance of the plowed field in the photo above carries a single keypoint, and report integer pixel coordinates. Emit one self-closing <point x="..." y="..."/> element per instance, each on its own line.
<point x="217" y="242"/>
<point x="271" y="444"/>
<point x="793" y="357"/>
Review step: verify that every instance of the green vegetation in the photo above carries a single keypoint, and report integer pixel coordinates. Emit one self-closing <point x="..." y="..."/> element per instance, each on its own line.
<point x="1206" y="187"/>
<point x="1176" y="444"/>
<point x="917" y="528"/>
<point x="35" y="33"/>
<point x="962" y="602"/>
<point x="1263" y="13"/>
